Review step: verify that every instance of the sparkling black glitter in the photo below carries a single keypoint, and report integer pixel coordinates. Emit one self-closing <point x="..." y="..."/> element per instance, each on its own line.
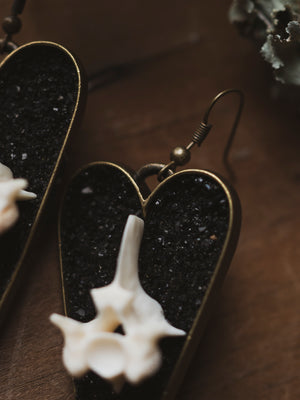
<point x="95" y="211"/>
<point x="185" y="227"/>
<point x="38" y="93"/>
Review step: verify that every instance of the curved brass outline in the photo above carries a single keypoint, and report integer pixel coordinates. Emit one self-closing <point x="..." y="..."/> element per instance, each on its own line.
<point x="74" y="120"/>
<point x="216" y="278"/>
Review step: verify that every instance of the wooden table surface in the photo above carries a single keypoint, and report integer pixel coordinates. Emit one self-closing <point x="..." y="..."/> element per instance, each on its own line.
<point x="251" y="347"/>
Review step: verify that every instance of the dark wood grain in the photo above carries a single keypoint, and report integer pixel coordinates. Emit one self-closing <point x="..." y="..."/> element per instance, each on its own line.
<point x="251" y="348"/>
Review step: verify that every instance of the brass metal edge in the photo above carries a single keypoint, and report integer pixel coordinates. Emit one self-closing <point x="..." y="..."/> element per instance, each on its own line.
<point x="216" y="281"/>
<point x="217" y="278"/>
<point x="80" y="98"/>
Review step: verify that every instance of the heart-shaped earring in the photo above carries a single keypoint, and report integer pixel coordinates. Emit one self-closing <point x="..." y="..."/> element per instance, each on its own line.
<point x="192" y="223"/>
<point x="41" y="92"/>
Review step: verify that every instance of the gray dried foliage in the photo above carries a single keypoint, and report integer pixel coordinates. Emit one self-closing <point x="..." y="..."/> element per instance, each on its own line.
<point x="275" y="26"/>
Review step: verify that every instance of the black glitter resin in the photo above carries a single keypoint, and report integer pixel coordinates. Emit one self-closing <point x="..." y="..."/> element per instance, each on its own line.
<point x="186" y="223"/>
<point x="39" y="87"/>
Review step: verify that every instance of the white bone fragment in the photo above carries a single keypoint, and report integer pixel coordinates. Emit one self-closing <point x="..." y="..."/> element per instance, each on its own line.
<point x="5" y="173"/>
<point x="95" y="346"/>
<point x="11" y="190"/>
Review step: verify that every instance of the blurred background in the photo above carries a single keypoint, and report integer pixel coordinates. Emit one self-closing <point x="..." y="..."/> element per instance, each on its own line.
<point x="172" y="58"/>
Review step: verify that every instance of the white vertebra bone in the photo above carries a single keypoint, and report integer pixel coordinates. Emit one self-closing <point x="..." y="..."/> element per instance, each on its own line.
<point x="94" y="345"/>
<point x="11" y="190"/>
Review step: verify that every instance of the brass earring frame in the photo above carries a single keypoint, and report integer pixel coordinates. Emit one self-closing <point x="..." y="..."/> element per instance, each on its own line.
<point x="216" y="279"/>
<point x="81" y="95"/>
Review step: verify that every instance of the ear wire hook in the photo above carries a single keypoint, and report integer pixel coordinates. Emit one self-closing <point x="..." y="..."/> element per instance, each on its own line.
<point x="11" y="25"/>
<point x="225" y="159"/>
<point x="181" y="155"/>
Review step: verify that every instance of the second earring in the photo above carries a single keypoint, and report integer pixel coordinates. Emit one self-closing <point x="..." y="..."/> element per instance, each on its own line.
<point x="191" y="228"/>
